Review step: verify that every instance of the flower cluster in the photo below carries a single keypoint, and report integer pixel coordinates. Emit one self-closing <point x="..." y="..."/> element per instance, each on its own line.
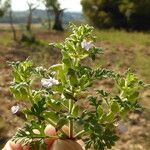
<point x="86" y="45"/>
<point x="49" y="82"/>
<point x="15" y="109"/>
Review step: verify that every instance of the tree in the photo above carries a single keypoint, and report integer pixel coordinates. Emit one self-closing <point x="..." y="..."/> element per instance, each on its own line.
<point x="137" y="13"/>
<point x="6" y="9"/>
<point x="132" y="14"/>
<point x="10" y="13"/>
<point x="103" y="13"/>
<point x="48" y="11"/>
<point x="54" y="6"/>
<point x="3" y="7"/>
<point x="31" y="7"/>
<point x="29" y="36"/>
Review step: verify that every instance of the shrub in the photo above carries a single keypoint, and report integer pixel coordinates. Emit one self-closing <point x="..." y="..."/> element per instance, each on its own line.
<point x="62" y="85"/>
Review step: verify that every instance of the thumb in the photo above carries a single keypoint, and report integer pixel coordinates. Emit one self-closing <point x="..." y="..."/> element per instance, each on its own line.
<point x="12" y="146"/>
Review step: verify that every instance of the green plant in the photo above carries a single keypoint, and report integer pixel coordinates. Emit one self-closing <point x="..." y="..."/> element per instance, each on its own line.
<point x="55" y="102"/>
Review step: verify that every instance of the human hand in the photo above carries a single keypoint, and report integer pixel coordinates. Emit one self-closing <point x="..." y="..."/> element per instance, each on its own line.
<point x="51" y="144"/>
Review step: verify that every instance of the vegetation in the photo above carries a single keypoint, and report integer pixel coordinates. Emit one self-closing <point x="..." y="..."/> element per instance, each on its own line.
<point x="4" y="6"/>
<point x="54" y="6"/>
<point x="129" y="14"/>
<point x="62" y="85"/>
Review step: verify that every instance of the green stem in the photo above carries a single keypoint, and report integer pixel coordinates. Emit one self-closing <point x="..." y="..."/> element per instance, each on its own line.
<point x="121" y="94"/>
<point x="43" y="137"/>
<point x="107" y="102"/>
<point x="70" y="119"/>
<point x="79" y="134"/>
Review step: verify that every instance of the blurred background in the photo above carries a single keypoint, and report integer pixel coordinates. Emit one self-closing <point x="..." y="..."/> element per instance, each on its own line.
<point x="122" y="28"/>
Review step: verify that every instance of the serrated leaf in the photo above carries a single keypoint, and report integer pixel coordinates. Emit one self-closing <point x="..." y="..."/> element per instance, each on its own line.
<point x="55" y="105"/>
<point x="110" y="116"/>
<point x="52" y="116"/>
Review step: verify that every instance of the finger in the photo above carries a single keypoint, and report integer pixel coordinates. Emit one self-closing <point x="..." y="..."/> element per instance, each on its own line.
<point x="66" y="129"/>
<point x="12" y="146"/>
<point x="49" y="131"/>
<point x="81" y="143"/>
<point x="26" y="147"/>
<point x="15" y="146"/>
<point x="7" y="146"/>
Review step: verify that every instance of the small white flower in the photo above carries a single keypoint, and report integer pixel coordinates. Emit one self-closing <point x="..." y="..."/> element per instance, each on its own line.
<point x="86" y="45"/>
<point x="122" y="128"/>
<point x="49" y="82"/>
<point x="15" y="109"/>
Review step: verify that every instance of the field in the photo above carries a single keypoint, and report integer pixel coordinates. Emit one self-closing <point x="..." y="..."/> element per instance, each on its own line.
<point x="121" y="50"/>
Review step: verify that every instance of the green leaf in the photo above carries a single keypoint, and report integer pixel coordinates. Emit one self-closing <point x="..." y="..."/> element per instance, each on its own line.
<point x="72" y="77"/>
<point x="56" y="67"/>
<point x="60" y="73"/>
<point x="59" y="45"/>
<point x="102" y="93"/>
<point x="99" y="111"/>
<point x="51" y="116"/>
<point x="115" y="107"/>
<point x="110" y="117"/>
<point x="55" y="105"/>
<point x="83" y="81"/>
<point x="75" y="111"/>
<point x="27" y="136"/>
<point x="133" y="97"/>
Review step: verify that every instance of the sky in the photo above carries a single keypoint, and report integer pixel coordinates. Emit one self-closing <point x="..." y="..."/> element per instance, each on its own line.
<point x="71" y="5"/>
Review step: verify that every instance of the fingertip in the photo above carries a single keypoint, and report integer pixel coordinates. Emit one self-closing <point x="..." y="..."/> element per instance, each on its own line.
<point x="65" y="129"/>
<point x="26" y="147"/>
<point x="50" y="130"/>
<point x="15" y="146"/>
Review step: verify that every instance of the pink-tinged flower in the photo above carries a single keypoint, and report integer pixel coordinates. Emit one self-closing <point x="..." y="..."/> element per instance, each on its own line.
<point x="15" y="109"/>
<point x="122" y="128"/>
<point x="49" y="82"/>
<point x="86" y="45"/>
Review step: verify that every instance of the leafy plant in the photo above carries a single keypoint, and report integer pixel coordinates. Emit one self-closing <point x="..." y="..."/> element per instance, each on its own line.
<point x="55" y="100"/>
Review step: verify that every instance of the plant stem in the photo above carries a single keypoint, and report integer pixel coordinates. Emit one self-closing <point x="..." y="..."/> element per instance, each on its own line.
<point x="79" y="134"/>
<point x="43" y="137"/>
<point x="70" y="119"/>
<point x="106" y="102"/>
